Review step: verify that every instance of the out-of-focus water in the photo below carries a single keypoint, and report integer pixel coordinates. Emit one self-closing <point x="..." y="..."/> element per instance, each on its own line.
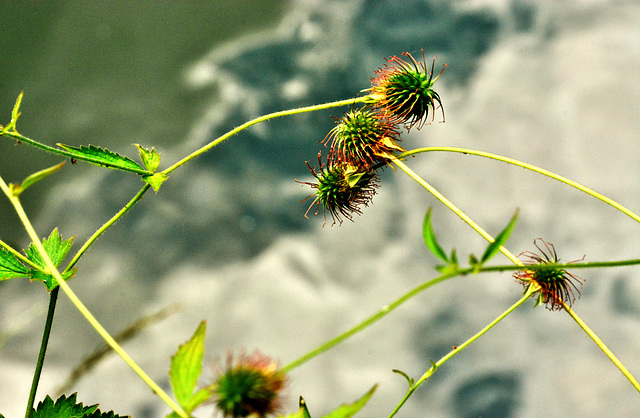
<point x="553" y="85"/>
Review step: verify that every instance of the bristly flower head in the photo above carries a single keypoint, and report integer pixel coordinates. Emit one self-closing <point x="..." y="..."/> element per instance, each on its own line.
<point x="405" y="90"/>
<point x="341" y="188"/>
<point x="556" y="285"/>
<point x="249" y="386"/>
<point x="363" y="138"/>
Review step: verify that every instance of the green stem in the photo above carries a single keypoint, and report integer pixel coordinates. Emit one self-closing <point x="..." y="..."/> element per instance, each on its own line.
<point x="458" y="349"/>
<point x="17" y="255"/>
<point x="53" y="298"/>
<point x="262" y="119"/>
<point x="464" y="217"/>
<point x="375" y="317"/>
<point x="453" y="208"/>
<point x="413" y="292"/>
<point x="602" y="346"/>
<point x="538" y="170"/>
<point x="68" y="154"/>
<point x="104" y="227"/>
<point x="82" y="308"/>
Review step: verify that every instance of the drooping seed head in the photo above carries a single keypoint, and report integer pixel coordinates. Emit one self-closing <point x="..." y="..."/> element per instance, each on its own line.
<point x="404" y="90"/>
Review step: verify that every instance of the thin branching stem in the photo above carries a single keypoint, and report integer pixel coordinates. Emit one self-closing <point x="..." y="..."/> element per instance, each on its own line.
<point x="262" y="119"/>
<point x="453" y="208"/>
<point x="533" y="168"/>
<point x="458" y="349"/>
<point x="53" y="298"/>
<point x="82" y="308"/>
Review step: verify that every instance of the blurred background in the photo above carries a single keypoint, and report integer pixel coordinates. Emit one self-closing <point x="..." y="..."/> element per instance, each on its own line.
<point x="551" y="83"/>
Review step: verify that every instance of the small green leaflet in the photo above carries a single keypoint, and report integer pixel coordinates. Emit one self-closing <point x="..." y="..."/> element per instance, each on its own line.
<point x="155" y="180"/>
<point x="501" y="239"/>
<point x="186" y="366"/>
<point x="406" y="376"/>
<point x="10" y="267"/>
<point x="34" y="178"/>
<point x="343" y="411"/>
<point x="15" y="114"/>
<point x="430" y="238"/>
<point x="57" y="250"/>
<point x="349" y="410"/>
<point x="302" y="412"/>
<point x="69" y="408"/>
<point x="150" y="159"/>
<point x="104" y="158"/>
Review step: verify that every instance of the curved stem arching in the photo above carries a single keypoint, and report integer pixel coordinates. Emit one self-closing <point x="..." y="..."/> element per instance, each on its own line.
<point x="533" y="168"/>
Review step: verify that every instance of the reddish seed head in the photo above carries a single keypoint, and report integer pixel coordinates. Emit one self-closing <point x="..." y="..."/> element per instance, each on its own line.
<point x="557" y="286"/>
<point x="404" y="90"/>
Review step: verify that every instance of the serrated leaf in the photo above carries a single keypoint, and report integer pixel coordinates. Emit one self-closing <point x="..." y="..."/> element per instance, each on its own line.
<point x="501" y="239"/>
<point x="349" y="410"/>
<point x="10" y="266"/>
<point x="150" y="159"/>
<point x="62" y="408"/>
<point x="186" y="366"/>
<point x="155" y="180"/>
<point x="35" y="177"/>
<point x="110" y="414"/>
<point x="104" y="158"/>
<point x="48" y="279"/>
<point x="57" y="250"/>
<point x="430" y="238"/>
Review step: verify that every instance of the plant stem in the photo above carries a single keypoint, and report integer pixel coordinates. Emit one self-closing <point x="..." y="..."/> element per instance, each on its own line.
<point x="68" y="154"/>
<point x="375" y="317"/>
<point x="262" y="119"/>
<point x="602" y="346"/>
<point x="459" y="348"/>
<point x="453" y="208"/>
<point x="53" y="298"/>
<point x="527" y="166"/>
<point x="81" y="307"/>
<point x="106" y="226"/>
<point x="464" y="217"/>
<point x="413" y="292"/>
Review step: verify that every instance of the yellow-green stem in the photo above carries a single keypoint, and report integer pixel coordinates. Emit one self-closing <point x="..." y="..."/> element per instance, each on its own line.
<point x="459" y="348"/>
<point x="453" y="208"/>
<point x="602" y="346"/>
<point x="531" y="167"/>
<point x="81" y="307"/>
<point x="262" y="119"/>
<point x="477" y="228"/>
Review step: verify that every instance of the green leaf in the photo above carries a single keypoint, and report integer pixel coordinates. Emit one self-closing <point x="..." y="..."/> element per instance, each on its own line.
<point x="48" y="279"/>
<point x="10" y="266"/>
<point x="349" y="410"/>
<point x="62" y="408"/>
<point x="15" y="114"/>
<point x="406" y="376"/>
<point x="501" y="239"/>
<point x="104" y="158"/>
<point x="110" y="414"/>
<point x="57" y="250"/>
<point x="150" y="159"/>
<point x="430" y="238"/>
<point x="35" y="177"/>
<point x="186" y="366"/>
<point x="155" y="180"/>
<point x="302" y="412"/>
